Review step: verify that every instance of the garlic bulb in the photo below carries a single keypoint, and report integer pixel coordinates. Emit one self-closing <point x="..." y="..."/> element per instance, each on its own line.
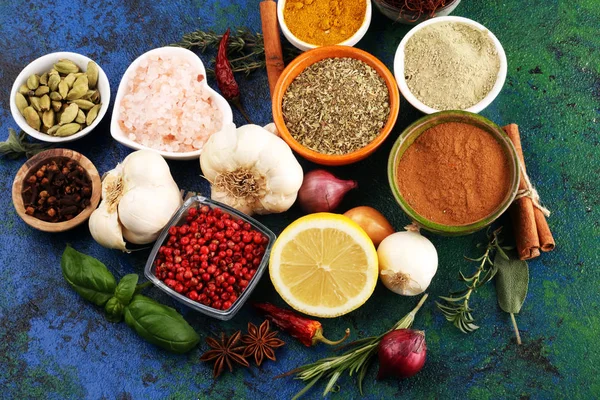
<point x="139" y="197"/>
<point x="407" y="262"/>
<point x="251" y="170"/>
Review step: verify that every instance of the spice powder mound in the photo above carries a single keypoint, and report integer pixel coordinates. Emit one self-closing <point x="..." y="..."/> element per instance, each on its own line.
<point x="336" y="106"/>
<point x="454" y="174"/>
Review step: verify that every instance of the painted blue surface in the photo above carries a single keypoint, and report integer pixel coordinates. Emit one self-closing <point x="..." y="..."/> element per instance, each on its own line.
<point x="54" y="345"/>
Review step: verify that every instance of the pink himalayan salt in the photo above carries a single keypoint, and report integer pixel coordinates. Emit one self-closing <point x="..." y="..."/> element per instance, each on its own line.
<point x="167" y="106"/>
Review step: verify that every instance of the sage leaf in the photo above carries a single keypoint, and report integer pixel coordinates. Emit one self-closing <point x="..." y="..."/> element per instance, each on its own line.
<point x="126" y="288"/>
<point x="512" y="281"/>
<point x="88" y="276"/>
<point x="18" y="146"/>
<point x="160" y="325"/>
<point x="114" y="310"/>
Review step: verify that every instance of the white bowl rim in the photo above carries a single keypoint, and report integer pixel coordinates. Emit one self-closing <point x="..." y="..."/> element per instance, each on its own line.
<point x="115" y="129"/>
<point x="412" y="99"/>
<point x="103" y="86"/>
<point x="304" y="46"/>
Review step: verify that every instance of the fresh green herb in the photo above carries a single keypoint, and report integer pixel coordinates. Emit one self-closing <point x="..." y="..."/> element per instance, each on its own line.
<point x="456" y="307"/>
<point x="512" y="281"/>
<point x="354" y="361"/>
<point x="336" y="106"/>
<point x="158" y="324"/>
<point x="17" y="146"/>
<point x="88" y="276"/>
<point x="247" y="47"/>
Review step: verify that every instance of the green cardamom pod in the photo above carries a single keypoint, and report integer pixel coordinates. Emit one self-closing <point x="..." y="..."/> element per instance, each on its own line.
<point x="95" y="97"/>
<point x="69" y="114"/>
<point x="48" y="118"/>
<point x="43" y="129"/>
<point x="32" y="118"/>
<point x="92" y="74"/>
<point x="52" y="131"/>
<point x="56" y="105"/>
<point x="92" y="114"/>
<point x="21" y="102"/>
<point x="35" y="103"/>
<point x="42" y="90"/>
<point x="80" y="119"/>
<point x="83" y="104"/>
<point x="70" y="79"/>
<point x="77" y="92"/>
<point x="83" y="79"/>
<point x="53" y="72"/>
<point x="53" y="81"/>
<point x="63" y="89"/>
<point x="68" y="129"/>
<point x="44" y="79"/>
<point x="55" y="96"/>
<point x="45" y="103"/>
<point x="33" y="82"/>
<point x="24" y="90"/>
<point x="65" y="66"/>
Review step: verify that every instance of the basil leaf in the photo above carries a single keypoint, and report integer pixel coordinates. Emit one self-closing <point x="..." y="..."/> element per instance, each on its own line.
<point x="160" y="325"/>
<point x="126" y="288"/>
<point x="512" y="281"/>
<point x="114" y="310"/>
<point x="88" y="276"/>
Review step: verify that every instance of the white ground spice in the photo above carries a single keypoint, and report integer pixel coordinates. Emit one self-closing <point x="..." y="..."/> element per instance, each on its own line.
<point x="450" y="65"/>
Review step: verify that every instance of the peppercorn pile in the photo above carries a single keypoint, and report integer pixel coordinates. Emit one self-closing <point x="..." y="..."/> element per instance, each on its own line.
<point x="58" y="191"/>
<point x="211" y="258"/>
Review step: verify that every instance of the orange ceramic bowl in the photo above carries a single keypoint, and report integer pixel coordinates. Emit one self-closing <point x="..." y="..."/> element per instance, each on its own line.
<point x="305" y="60"/>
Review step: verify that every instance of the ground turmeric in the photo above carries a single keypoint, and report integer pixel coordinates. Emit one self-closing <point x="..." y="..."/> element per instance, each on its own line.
<point x="324" y="22"/>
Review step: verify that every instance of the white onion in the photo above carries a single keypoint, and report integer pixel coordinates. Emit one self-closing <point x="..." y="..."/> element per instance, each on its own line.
<point x="407" y="262"/>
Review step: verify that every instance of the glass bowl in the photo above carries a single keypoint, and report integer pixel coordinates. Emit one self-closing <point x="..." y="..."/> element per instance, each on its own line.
<point x="409" y="18"/>
<point x="411" y="133"/>
<point x="178" y="219"/>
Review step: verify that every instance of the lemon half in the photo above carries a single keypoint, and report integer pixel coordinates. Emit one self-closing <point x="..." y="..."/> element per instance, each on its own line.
<point x="324" y="265"/>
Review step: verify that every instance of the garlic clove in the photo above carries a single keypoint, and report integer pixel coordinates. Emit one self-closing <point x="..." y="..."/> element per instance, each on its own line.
<point x="105" y="228"/>
<point x="144" y="168"/>
<point x="251" y="141"/>
<point x="276" y="203"/>
<point x="217" y="153"/>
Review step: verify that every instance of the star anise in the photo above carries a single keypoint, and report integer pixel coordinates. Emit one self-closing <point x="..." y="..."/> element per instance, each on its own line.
<point x="224" y="352"/>
<point x="260" y="342"/>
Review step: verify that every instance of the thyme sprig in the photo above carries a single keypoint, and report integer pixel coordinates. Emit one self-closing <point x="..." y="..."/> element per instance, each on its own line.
<point x="455" y="307"/>
<point x="247" y="47"/>
<point x="354" y="361"/>
<point x="18" y="146"/>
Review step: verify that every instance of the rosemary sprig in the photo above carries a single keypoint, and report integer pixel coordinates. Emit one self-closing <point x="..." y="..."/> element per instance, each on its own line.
<point x="17" y="146"/>
<point x="247" y="47"/>
<point x="353" y="361"/>
<point x="456" y="307"/>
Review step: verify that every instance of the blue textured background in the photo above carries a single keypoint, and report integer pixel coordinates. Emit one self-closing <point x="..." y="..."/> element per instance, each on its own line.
<point x="54" y="345"/>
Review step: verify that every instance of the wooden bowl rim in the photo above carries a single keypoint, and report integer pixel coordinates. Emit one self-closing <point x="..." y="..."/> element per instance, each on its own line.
<point x="308" y="58"/>
<point x="35" y="161"/>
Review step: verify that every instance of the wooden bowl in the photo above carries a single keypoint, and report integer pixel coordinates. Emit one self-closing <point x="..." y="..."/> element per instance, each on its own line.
<point x="300" y="64"/>
<point x="36" y="162"/>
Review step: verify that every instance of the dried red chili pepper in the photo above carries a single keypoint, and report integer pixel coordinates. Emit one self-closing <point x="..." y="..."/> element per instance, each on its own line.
<point x="225" y="79"/>
<point x="308" y="331"/>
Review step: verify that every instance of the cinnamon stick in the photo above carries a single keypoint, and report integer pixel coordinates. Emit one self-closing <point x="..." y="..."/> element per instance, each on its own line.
<point x="531" y="229"/>
<point x="272" y="41"/>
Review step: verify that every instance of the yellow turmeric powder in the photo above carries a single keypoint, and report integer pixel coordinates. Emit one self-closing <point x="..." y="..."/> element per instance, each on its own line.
<point x="324" y="22"/>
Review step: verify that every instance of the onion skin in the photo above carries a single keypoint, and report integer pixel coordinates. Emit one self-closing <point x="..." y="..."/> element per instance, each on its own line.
<point x="321" y="191"/>
<point x="372" y="222"/>
<point x="402" y="353"/>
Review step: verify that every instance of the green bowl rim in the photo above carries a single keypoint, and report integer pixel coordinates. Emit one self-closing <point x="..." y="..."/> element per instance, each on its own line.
<point x="429" y="121"/>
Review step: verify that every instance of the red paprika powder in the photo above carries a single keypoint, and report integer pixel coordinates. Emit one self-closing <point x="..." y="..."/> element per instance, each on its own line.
<point x="454" y="174"/>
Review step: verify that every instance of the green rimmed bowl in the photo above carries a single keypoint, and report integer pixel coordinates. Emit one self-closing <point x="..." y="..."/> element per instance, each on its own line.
<point x="411" y="133"/>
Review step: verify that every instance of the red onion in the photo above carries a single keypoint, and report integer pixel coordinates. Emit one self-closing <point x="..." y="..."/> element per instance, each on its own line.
<point x="401" y="353"/>
<point x="321" y="191"/>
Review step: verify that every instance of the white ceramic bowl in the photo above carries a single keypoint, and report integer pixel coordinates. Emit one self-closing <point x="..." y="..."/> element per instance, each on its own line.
<point x="393" y="13"/>
<point x="399" y="66"/>
<point x="44" y="64"/>
<point x="194" y="60"/>
<point x="304" y="46"/>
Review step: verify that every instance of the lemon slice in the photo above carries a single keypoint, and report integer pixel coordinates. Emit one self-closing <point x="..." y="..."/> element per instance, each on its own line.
<point x="324" y="265"/>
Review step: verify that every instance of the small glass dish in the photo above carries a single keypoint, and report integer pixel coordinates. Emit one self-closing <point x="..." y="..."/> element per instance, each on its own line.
<point x="411" y="18"/>
<point x="179" y="218"/>
<point x="408" y="137"/>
